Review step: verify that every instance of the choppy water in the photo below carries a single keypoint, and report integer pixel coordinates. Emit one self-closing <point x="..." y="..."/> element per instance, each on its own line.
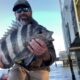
<point x="60" y="73"/>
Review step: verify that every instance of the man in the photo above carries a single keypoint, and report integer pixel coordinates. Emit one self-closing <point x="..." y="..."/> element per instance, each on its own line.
<point x="43" y="51"/>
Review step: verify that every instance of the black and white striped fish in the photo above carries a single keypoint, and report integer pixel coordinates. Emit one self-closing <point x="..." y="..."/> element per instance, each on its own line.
<point x="13" y="44"/>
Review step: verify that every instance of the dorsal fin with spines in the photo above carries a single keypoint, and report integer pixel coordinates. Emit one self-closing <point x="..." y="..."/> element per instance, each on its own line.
<point x="15" y="25"/>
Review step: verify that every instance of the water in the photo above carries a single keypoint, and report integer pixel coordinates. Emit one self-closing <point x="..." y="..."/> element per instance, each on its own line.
<point x="2" y="71"/>
<point x="59" y="73"/>
<point x="62" y="73"/>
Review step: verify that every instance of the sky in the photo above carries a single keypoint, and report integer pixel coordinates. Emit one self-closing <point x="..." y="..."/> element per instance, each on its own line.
<point x="45" y="12"/>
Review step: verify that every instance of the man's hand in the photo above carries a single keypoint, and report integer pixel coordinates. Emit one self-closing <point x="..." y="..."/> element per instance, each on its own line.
<point x="1" y="64"/>
<point x="37" y="46"/>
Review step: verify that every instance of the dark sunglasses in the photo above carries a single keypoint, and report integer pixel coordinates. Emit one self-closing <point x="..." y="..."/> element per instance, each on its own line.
<point x="23" y="10"/>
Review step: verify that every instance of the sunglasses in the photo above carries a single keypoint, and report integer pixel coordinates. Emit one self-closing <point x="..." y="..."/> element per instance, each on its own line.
<point x="23" y="10"/>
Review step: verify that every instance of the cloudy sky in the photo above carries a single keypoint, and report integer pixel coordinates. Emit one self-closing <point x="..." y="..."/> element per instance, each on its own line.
<point x="45" y="12"/>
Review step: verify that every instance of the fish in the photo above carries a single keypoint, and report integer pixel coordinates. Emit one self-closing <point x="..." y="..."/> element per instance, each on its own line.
<point x="14" y="42"/>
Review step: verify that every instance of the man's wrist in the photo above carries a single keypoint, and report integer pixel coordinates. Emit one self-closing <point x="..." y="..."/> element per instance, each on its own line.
<point x="45" y="56"/>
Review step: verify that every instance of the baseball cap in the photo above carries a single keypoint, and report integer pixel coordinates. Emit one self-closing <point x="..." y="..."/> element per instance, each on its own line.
<point x="20" y="4"/>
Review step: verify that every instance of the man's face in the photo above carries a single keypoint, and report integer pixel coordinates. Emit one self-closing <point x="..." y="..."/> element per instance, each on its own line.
<point x="23" y="14"/>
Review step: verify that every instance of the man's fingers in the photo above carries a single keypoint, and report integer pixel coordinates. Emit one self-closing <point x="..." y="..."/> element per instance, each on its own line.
<point x="35" y="45"/>
<point x="30" y="48"/>
<point x="41" y="42"/>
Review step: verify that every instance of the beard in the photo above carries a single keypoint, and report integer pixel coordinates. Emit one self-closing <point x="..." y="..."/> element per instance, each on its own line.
<point x="24" y="19"/>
